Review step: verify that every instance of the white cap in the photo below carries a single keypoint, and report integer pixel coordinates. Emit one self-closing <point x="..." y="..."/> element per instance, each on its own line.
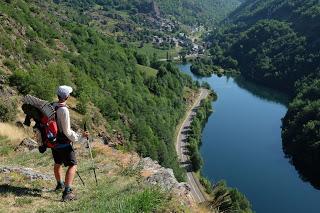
<point x="64" y="91"/>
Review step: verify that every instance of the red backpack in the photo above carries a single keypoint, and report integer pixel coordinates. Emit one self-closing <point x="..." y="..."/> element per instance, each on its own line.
<point x="49" y="132"/>
<point x="44" y="114"/>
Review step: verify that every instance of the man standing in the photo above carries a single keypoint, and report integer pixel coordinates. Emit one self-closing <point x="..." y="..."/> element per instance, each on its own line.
<point x="64" y="152"/>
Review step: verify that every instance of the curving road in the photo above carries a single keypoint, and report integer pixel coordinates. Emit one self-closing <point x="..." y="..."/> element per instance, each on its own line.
<point x="182" y="150"/>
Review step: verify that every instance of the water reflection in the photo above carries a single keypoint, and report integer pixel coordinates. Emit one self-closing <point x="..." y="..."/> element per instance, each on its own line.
<point x="305" y="161"/>
<point x="262" y="92"/>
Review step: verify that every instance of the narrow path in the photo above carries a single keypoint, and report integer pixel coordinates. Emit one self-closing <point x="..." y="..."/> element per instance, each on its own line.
<point x="182" y="150"/>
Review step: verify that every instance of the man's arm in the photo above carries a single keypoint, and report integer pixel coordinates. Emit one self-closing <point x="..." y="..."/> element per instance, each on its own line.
<point x="66" y="127"/>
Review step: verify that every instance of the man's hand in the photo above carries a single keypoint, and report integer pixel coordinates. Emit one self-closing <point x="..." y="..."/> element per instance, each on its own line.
<point x="85" y="134"/>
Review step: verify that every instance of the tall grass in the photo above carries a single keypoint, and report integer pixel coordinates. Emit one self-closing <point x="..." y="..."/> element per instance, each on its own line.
<point x="13" y="133"/>
<point x="116" y="195"/>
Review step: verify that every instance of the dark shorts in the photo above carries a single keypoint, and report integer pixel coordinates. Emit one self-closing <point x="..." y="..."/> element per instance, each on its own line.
<point x="65" y="156"/>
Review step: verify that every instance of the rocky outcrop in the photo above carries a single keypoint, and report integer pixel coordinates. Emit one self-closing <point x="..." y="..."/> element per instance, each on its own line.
<point x="164" y="177"/>
<point x="27" y="172"/>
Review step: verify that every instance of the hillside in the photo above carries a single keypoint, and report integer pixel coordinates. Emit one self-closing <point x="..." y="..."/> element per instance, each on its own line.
<point x="201" y="11"/>
<point x="271" y="42"/>
<point x="186" y="11"/>
<point x="130" y="184"/>
<point x="303" y="15"/>
<point x="43" y="45"/>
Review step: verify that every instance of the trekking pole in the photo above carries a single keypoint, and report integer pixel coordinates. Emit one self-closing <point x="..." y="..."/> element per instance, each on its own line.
<point x="80" y="178"/>
<point x="90" y="151"/>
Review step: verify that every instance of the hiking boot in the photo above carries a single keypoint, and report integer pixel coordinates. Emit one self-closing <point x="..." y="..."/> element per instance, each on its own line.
<point x="68" y="196"/>
<point x="60" y="186"/>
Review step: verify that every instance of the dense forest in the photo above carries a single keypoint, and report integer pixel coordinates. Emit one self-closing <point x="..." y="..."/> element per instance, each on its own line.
<point x="186" y="11"/>
<point x="43" y="46"/>
<point x="198" y="11"/>
<point x="276" y="43"/>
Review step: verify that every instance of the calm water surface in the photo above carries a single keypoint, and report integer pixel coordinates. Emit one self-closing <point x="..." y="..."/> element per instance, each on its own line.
<point x="241" y="144"/>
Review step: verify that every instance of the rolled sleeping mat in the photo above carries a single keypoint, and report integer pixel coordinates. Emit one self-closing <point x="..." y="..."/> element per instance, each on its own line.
<point x="44" y="106"/>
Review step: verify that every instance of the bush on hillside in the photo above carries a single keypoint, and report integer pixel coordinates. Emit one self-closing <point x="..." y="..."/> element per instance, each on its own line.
<point x="8" y="110"/>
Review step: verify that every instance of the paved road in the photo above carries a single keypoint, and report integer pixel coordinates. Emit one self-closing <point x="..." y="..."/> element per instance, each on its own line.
<point x="182" y="150"/>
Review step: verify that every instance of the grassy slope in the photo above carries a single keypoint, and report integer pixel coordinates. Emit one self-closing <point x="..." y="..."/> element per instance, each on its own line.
<point x="149" y="50"/>
<point x="147" y="70"/>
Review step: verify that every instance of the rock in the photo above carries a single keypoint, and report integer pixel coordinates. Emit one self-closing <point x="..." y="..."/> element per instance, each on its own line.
<point x="28" y="172"/>
<point x="157" y="175"/>
<point x="27" y="144"/>
<point x="105" y="137"/>
<point x="2" y="79"/>
<point x="19" y="124"/>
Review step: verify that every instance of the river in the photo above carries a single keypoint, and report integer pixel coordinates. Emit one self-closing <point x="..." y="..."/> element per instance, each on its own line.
<point x="241" y="143"/>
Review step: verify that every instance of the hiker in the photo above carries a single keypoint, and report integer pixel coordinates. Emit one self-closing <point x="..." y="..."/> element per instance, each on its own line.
<point x="64" y="153"/>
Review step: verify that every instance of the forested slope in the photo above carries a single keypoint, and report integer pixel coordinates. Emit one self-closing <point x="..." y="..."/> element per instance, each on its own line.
<point x="186" y="11"/>
<point x="198" y="11"/>
<point x="272" y="42"/>
<point x="43" y="45"/>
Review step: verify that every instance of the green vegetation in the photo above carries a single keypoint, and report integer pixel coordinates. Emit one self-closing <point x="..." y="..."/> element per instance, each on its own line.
<point x="148" y="71"/>
<point x="303" y="15"/>
<point x="115" y="196"/>
<point x="198" y="11"/>
<point x="5" y="146"/>
<point x="152" y="52"/>
<point x="300" y="131"/>
<point x="205" y="67"/>
<point x="101" y="71"/>
<point x="269" y="52"/>
<point x="200" y="68"/>
<point x="8" y="109"/>
<point x="186" y="11"/>
<point x="271" y="42"/>
<point x="228" y="200"/>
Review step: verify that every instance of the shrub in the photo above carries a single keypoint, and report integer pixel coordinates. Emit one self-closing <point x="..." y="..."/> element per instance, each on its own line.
<point x="8" y="110"/>
<point x="38" y="52"/>
<point x="10" y="64"/>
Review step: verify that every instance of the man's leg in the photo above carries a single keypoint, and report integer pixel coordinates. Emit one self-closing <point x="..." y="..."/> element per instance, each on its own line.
<point x="57" y="172"/>
<point x="70" y="175"/>
<point x="70" y="161"/>
<point x="68" y="194"/>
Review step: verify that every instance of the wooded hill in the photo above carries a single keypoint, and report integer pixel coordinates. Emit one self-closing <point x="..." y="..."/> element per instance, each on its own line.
<point x="198" y="11"/>
<point x="272" y="42"/>
<point x="186" y="11"/>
